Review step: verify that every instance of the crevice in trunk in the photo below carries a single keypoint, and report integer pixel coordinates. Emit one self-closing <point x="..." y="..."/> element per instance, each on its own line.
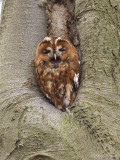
<point x="61" y="20"/>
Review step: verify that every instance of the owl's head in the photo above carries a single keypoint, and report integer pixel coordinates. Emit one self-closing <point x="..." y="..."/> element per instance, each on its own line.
<point x="54" y="51"/>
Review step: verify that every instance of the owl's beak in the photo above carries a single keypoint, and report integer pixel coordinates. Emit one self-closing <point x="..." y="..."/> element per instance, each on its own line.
<point x="55" y="59"/>
<point x="55" y="56"/>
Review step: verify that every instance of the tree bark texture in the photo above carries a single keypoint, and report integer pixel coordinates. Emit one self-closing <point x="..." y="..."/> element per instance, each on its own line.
<point x="31" y="128"/>
<point x="98" y="103"/>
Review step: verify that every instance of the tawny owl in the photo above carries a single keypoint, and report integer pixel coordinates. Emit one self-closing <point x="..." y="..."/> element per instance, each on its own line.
<point x="58" y="70"/>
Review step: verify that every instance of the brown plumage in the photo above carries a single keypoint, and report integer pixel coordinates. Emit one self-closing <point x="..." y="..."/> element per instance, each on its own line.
<point x="58" y="70"/>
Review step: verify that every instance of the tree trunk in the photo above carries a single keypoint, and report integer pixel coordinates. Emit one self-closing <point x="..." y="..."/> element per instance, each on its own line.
<point x="31" y="128"/>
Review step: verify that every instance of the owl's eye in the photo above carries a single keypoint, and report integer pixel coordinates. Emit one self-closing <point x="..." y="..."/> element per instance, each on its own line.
<point x="46" y="51"/>
<point x="62" y="49"/>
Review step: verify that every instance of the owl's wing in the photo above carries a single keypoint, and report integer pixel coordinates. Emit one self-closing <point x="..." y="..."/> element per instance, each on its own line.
<point x="76" y="80"/>
<point x="75" y="73"/>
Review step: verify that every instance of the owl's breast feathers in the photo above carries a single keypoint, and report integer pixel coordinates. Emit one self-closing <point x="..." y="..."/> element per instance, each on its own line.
<point x="59" y="84"/>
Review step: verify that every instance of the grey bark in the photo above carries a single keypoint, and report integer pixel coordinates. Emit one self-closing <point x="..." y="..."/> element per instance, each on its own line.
<point x="31" y="128"/>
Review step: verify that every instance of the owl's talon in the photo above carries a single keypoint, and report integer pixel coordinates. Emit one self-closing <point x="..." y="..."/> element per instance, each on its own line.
<point x="63" y="110"/>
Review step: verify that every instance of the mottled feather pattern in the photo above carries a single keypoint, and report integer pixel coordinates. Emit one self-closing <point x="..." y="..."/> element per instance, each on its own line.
<point x="58" y="70"/>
